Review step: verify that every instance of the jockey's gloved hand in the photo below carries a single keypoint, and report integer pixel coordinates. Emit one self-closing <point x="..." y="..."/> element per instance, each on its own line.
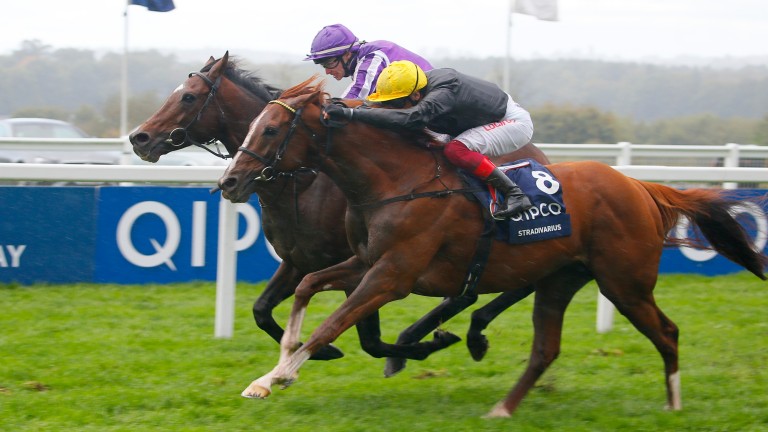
<point x="337" y="112"/>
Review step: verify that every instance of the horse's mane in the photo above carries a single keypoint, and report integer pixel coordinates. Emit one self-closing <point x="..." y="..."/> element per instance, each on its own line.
<point x="310" y="85"/>
<point x="248" y="80"/>
<point x="416" y="137"/>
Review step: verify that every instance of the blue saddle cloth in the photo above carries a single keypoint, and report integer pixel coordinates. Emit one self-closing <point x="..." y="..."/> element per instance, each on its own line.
<point x="547" y="219"/>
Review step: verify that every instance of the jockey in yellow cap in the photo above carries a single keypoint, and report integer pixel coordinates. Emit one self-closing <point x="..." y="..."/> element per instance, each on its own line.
<point x="481" y="119"/>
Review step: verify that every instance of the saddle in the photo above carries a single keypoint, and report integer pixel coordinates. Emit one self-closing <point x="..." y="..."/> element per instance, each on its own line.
<point x="547" y="218"/>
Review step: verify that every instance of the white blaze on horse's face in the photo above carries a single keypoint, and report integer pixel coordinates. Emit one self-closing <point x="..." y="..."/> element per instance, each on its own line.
<point x="179" y="88"/>
<point x="232" y="164"/>
<point x="248" y="138"/>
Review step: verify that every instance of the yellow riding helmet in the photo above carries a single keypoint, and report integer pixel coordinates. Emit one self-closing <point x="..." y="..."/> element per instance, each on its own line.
<point x="398" y="80"/>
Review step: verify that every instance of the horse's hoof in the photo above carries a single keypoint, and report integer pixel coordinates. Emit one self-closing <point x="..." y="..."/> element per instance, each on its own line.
<point x="328" y="352"/>
<point x="478" y="346"/>
<point x="498" y="411"/>
<point x="393" y="366"/>
<point x="255" y="391"/>
<point x="445" y="339"/>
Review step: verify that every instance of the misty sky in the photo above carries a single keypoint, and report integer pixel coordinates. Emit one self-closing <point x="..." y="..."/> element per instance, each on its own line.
<point x="604" y="29"/>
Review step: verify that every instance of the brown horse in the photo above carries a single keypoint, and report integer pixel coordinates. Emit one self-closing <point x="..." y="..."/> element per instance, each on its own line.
<point x="302" y="210"/>
<point x="422" y="245"/>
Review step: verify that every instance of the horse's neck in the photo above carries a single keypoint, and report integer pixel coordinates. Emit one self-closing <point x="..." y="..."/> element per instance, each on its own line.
<point x="370" y="167"/>
<point x="239" y="107"/>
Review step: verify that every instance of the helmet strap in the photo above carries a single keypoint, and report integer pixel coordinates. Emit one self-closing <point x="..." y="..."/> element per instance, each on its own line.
<point x="347" y="64"/>
<point x="416" y="84"/>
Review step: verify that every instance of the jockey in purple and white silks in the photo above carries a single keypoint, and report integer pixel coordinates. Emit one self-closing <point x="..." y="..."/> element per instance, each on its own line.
<point x="342" y="54"/>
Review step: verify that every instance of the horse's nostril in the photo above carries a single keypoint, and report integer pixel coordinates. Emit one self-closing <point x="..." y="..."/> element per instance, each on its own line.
<point x="140" y="138"/>
<point x="228" y="183"/>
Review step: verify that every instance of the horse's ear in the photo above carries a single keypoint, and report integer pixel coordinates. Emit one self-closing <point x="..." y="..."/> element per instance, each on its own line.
<point x="219" y="67"/>
<point x="317" y="97"/>
<point x="210" y="60"/>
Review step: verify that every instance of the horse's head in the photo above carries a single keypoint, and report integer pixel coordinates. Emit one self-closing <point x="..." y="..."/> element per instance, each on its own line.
<point x="281" y="140"/>
<point x="189" y="115"/>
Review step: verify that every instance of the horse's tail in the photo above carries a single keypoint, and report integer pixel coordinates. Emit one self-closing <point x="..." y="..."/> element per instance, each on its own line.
<point x="708" y="210"/>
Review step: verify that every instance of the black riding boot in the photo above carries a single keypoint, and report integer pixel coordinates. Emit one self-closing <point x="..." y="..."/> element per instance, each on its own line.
<point x="515" y="200"/>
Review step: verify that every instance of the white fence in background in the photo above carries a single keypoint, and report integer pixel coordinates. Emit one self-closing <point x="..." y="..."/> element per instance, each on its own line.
<point x="67" y="144"/>
<point x="621" y="155"/>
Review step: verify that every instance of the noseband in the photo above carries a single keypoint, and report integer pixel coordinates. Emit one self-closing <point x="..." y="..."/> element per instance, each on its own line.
<point x="180" y="136"/>
<point x="270" y="172"/>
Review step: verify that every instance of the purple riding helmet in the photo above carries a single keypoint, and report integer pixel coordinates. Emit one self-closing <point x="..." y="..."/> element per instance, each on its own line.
<point x="333" y="41"/>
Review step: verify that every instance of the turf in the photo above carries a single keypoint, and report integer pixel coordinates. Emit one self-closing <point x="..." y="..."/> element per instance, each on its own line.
<point x="143" y="358"/>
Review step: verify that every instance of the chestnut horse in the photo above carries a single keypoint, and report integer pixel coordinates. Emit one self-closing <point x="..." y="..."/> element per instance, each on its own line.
<point x="422" y="245"/>
<point x="302" y="210"/>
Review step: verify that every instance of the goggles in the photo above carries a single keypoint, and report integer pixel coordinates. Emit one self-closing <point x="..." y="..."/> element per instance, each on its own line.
<point x="330" y="63"/>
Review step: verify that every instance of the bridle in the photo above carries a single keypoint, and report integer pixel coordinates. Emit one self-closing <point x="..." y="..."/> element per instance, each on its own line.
<point x="180" y="136"/>
<point x="269" y="172"/>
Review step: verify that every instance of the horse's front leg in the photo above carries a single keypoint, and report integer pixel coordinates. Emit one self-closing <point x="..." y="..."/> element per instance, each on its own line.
<point x="340" y="277"/>
<point x="379" y="286"/>
<point x="477" y="343"/>
<point x="281" y="286"/>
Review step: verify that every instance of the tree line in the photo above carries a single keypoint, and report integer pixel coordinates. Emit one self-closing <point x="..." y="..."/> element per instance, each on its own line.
<point x="571" y="101"/>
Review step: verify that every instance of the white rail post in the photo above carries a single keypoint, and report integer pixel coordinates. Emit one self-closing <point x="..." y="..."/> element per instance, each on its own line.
<point x="732" y="161"/>
<point x="625" y="154"/>
<point x="226" y="270"/>
<point x="605" y="309"/>
<point x="604" y="314"/>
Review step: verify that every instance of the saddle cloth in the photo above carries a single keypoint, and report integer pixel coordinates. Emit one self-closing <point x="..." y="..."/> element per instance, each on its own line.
<point x="547" y="219"/>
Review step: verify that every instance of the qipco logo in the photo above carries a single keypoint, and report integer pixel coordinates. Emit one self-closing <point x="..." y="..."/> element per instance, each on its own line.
<point x="163" y="252"/>
<point x="750" y="210"/>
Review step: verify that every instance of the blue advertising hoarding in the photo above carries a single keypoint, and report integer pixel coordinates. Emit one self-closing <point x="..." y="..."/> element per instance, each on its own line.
<point x="123" y="235"/>
<point x="155" y="234"/>
<point x="707" y="262"/>
<point x="47" y="234"/>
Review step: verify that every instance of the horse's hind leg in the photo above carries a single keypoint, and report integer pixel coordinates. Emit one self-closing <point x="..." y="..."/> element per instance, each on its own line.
<point x="477" y="343"/>
<point x="370" y="340"/>
<point x="638" y="305"/>
<point x="553" y="295"/>
<point x="446" y="310"/>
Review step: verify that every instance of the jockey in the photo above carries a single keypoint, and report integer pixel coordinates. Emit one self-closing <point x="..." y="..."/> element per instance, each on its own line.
<point x="482" y="119"/>
<point x="339" y="51"/>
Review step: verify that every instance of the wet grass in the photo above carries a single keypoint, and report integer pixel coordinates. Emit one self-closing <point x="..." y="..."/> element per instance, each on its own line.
<point x="143" y="358"/>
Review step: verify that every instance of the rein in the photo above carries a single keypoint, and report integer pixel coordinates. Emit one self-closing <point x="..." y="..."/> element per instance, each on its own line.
<point x="431" y="194"/>
<point x="180" y="136"/>
<point x="412" y="196"/>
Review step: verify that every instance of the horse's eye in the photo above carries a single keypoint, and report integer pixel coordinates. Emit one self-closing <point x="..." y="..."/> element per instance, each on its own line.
<point x="188" y="98"/>
<point x="270" y="130"/>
